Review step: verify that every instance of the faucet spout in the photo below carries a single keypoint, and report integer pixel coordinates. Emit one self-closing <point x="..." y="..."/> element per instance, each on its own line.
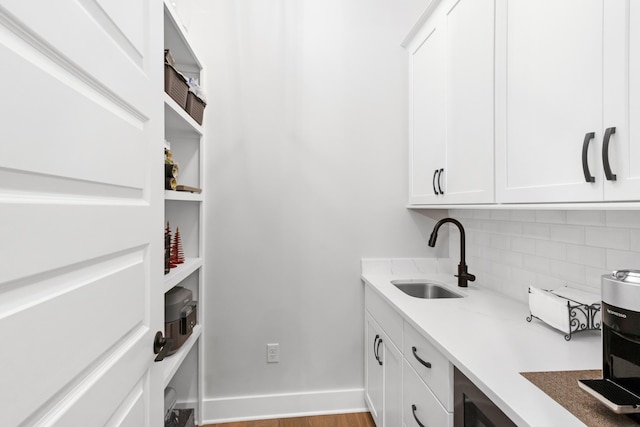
<point x="463" y="275"/>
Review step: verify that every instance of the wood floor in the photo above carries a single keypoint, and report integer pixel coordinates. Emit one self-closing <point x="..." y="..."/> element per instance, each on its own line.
<point x="361" y="419"/>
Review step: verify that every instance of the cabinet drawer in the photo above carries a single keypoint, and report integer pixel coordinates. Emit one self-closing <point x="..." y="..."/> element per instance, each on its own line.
<point x="439" y="376"/>
<point x="418" y="402"/>
<point x="388" y="319"/>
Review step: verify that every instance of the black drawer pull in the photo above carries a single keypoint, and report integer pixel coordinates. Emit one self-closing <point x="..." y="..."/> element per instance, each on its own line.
<point x="413" y="409"/>
<point x="440" y="180"/>
<point x="427" y="364"/>
<point x="585" y="163"/>
<point x="605" y="154"/>
<point x="433" y="181"/>
<point x="378" y="352"/>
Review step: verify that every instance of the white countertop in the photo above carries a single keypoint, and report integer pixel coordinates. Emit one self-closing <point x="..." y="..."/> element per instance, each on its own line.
<point x="486" y="336"/>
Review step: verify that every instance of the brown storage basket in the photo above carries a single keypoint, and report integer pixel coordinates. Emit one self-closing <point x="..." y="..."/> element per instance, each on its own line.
<point x="195" y="107"/>
<point x="175" y="85"/>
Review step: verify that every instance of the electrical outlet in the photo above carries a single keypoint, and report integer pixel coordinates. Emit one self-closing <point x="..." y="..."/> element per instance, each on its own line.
<point x="273" y="353"/>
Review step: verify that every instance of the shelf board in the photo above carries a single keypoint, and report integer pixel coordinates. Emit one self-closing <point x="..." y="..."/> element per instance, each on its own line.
<point x="177" y="40"/>
<point x="183" y="195"/>
<point x="177" y="120"/>
<point x="173" y="362"/>
<point x="181" y="272"/>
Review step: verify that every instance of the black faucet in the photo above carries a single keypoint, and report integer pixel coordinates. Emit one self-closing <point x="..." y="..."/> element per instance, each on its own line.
<point x="463" y="276"/>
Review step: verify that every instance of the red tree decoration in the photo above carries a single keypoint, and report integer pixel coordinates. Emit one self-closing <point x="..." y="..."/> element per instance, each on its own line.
<point x="177" y="255"/>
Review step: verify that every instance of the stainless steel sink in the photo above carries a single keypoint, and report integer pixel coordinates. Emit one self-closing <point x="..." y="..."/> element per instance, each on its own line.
<point x="424" y="289"/>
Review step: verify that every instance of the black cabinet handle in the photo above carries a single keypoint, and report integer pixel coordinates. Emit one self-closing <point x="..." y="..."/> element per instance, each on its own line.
<point x="427" y="364"/>
<point x="378" y="352"/>
<point x="375" y="350"/>
<point x="585" y="163"/>
<point x="413" y="409"/>
<point x="433" y="181"/>
<point x="605" y="154"/>
<point x="440" y="180"/>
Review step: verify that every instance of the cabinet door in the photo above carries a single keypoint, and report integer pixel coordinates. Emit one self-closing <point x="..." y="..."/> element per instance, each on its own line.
<point x="550" y="99"/>
<point x="622" y="98"/>
<point x="470" y="32"/>
<point x="419" y="405"/>
<point x="392" y="366"/>
<point x="427" y="67"/>
<point x="373" y="370"/>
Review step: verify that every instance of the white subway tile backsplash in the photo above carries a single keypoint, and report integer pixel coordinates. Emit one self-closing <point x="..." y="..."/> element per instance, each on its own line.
<point x="551" y="217"/>
<point x="606" y="237"/>
<point x="551" y="249"/>
<point x="594" y="277"/>
<point x="508" y="227"/>
<point x="482" y="238"/>
<point x="627" y="219"/>
<point x="426" y="265"/>
<point x="522" y="215"/>
<point x="482" y="213"/>
<point x="568" y="271"/>
<point x="567" y="233"/>
<point x="510" y="250"/>
<point x="523" y="278"/>
<point x="594" y="218"/>
<point x="501" y="215"/>
<point x="621" y="260"/>
<point x="587" y="255"/>
<point x="490" y="226"/>
<point x="539" y="231"/>
<point x="461" y="213"/>
<point x="524" y="245"/>
<point x="547" y="281"/>
<point x="634" y="236"/>
<point x="537" y="263"/>
<point x="500" y="241"/>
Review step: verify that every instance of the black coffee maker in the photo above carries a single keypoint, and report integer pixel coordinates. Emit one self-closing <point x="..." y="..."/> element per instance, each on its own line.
<point x="620" y="387"/>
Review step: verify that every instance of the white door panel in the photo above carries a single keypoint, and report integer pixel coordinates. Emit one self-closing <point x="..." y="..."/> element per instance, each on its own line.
<point x="131" y="412"/>
<point x="84" y="134"/>
<point x="80" y="37"/>
<point x="81" y="212"/>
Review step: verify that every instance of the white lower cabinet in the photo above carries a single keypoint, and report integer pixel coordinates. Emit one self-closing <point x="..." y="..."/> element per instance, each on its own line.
<point x="400" y="383"/>
<point x="420" y="407"/>
<point x="383" y="376"/>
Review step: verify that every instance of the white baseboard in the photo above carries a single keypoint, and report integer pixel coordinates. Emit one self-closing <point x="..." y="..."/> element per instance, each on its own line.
<point x="259" y="407"/>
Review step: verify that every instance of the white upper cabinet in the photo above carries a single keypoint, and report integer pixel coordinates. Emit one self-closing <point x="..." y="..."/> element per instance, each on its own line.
<point x="622" y="98"/>
<point x="428" y="117"/>
<point x="564" y="83"/>
<point x="452" y="104"/>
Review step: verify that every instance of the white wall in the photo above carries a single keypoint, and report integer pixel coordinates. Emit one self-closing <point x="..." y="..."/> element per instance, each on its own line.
<point x="509" y="250"/>
<point x="306" y="174"/>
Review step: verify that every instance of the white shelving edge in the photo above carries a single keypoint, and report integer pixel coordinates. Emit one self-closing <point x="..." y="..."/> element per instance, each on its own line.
<point x="181" y="272"/>
<point x="183" y="196"/>
<point x="178" y="30"/>
<point x="180" y="112"/>
<point x="172" y="363"/>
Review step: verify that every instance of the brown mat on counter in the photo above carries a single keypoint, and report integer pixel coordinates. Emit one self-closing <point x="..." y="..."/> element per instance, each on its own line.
<point x="562" y="386"/>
